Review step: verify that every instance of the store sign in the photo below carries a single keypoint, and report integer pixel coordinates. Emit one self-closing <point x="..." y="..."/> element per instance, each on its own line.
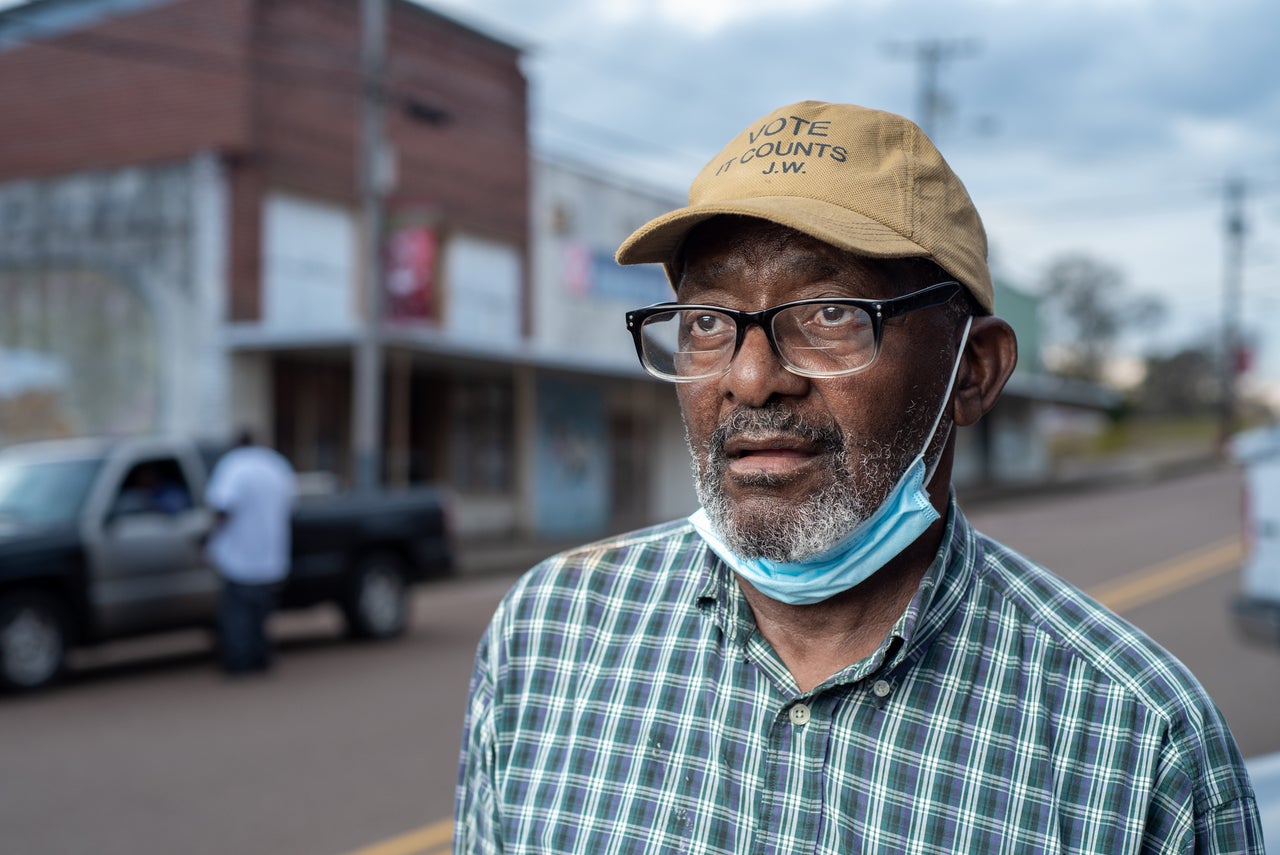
<point x="593" y="274"/>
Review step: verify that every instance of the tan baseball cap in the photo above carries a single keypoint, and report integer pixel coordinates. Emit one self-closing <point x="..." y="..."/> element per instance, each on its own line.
<point x="864" y="180"/>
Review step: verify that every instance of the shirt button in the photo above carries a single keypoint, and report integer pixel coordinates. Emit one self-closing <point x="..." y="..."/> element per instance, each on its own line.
<point x="881" y="688"/>
<point x="800" y="715"/>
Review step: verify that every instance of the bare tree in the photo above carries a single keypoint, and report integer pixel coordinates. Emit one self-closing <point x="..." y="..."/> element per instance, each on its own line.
<point x="1186" y="382"/>
<point x="1089" y="307"/>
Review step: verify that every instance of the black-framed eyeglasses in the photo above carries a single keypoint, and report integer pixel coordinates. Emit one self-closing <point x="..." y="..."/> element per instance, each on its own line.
<point x="825" y="337"/>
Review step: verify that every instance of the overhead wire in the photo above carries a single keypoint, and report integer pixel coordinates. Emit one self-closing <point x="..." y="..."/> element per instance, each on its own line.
<point x="338" y="73"/>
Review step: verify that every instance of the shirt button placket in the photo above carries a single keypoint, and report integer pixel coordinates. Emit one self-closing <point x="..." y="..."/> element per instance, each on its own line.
<point x="880" y="692"/>
<point x="800" y="715"/>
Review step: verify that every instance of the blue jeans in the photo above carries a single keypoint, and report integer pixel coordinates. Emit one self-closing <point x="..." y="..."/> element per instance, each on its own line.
<point x="242" y="626"/>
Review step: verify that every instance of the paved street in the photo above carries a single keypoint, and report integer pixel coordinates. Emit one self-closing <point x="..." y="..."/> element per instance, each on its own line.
<point x="1155" y="531"/>
<point x="352" y="748"/>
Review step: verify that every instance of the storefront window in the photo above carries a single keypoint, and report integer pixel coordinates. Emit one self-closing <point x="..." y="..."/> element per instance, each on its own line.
<point x="483" y="436"/>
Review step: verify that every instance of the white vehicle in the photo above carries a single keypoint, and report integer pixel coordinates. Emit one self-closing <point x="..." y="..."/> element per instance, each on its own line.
<point x="1264" y="774"/>
<point x="1258" y="607"/>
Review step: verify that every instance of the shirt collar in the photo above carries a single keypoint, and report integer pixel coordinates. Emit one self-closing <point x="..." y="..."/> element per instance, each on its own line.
<point x="719" y="595"/>
<point x="941" y="590"/>
<point x="938" y="596"/>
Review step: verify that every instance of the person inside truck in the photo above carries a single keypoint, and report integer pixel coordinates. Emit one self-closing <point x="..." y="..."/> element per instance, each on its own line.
<point x="153" y="487"/>
<point x="826" y="656"/>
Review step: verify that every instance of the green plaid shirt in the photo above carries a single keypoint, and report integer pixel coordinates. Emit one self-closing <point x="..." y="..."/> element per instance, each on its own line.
<point x="623" y="701"/>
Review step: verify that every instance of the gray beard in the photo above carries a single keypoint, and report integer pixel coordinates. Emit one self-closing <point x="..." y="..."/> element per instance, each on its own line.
<point x="822" y="519"/>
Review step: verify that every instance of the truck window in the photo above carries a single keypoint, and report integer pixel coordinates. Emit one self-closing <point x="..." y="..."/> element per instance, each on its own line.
<point x="153" y="487"/>
<point x="44" y="492"/>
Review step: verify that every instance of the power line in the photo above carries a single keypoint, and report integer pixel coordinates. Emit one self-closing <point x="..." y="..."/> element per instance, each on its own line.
<point x="1130" y="205"/>
<point x="614" y="136"/>
<point x="336" y="72"/>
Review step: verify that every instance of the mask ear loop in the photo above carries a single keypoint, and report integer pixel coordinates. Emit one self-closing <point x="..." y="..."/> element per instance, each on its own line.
<point x="946" y="398"/>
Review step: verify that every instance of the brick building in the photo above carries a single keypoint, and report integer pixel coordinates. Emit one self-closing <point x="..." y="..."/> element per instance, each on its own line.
<point x="180" y="241"/>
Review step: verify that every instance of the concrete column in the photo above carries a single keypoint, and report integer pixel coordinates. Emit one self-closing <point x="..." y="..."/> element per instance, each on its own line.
<point x="210" y="264"/>
<point x="525" y="413"/>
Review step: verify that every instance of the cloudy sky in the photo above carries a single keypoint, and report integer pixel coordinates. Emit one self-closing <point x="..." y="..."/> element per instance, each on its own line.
<point x="1108" y="128"/>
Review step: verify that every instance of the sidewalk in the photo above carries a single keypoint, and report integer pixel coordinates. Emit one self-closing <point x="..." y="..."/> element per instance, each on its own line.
<point x="495" y="556"/>
<point x="1131" y="467"/>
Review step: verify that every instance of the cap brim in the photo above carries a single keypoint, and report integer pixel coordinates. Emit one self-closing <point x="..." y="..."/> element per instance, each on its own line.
<point x="658" y="240"/>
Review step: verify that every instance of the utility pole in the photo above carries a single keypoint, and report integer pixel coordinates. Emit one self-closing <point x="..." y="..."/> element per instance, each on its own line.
<point x="930" y="54"/>
<point x="1234" y="229"/>
<point x="372" y="168"/>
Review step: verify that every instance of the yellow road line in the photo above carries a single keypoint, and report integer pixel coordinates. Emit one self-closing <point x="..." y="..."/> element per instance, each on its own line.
<point x="1169" y="577"/>
<point x="430" y="837"/>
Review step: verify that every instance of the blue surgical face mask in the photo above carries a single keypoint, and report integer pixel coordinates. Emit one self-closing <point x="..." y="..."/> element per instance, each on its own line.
<point x="902" y="517"/>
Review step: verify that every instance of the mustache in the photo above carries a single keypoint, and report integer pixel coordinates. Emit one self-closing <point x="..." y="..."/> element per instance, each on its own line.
<point x="774" y="419"/>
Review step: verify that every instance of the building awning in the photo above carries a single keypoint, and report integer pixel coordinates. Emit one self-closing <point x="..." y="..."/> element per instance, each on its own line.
<point x="254" y="338"/>
<point x="1052" y="389"/>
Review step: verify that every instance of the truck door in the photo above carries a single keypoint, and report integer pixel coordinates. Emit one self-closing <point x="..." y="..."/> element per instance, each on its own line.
<point x="148" y="552"/>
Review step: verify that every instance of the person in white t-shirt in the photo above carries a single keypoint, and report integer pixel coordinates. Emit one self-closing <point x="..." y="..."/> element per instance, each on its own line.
<point x="251" y="491"/>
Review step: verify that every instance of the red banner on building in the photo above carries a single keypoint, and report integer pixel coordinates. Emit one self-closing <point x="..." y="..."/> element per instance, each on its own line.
<point x="411" y="266"/>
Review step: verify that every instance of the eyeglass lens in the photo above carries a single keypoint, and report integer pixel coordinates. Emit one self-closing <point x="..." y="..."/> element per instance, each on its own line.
<point x="813" y="338"/>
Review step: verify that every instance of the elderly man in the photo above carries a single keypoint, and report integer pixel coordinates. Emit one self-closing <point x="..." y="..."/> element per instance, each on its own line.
<point x="826" y="657"/>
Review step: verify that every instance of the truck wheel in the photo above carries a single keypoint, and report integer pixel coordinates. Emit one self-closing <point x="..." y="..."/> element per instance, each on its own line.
<point x="33" y="641"/>
<point x="377" y="602"/>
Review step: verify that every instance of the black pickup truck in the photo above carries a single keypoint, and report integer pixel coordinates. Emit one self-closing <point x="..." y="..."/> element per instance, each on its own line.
<point x="87" y="555"/>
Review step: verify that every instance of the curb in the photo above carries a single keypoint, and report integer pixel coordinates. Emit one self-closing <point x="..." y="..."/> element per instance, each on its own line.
<point x="497" y="556"/>
<point x="1117" y="474"/>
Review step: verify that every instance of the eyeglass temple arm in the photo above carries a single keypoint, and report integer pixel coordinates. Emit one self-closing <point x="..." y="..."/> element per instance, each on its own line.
<point x="931" y="296"/>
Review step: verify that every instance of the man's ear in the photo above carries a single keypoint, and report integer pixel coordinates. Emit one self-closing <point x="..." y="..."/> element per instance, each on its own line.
<point x="989" y="358"/>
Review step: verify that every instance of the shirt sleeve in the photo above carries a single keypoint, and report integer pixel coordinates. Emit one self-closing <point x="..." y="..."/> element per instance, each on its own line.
<point x="220" y="493"/>
<point x="1232" y="827"/>
<point x="477" y="823"/>
<point x="1203" y="802"/>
